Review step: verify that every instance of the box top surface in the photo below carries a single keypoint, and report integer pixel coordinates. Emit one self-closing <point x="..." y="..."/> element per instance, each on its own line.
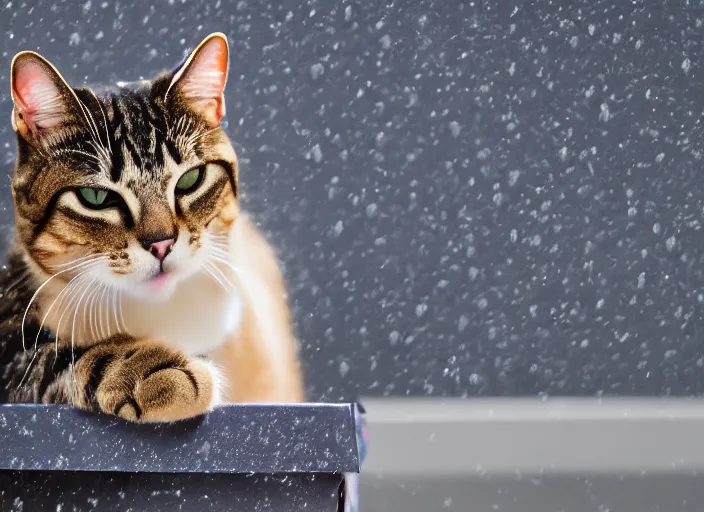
<point x="231" y="439"/>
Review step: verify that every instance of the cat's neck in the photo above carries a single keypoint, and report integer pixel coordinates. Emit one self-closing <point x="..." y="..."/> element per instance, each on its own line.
<point x="195" y="318"/>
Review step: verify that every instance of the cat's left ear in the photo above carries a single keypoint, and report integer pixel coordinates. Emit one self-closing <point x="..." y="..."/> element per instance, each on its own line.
<point x="200" y="81"/>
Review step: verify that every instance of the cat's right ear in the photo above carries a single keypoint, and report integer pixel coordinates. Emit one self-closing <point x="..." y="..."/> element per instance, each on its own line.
<point x="43" y="102"/>
<point x="200" y="81"/>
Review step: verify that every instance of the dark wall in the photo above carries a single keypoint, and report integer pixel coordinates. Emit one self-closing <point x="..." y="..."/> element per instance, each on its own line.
<point x="469" y="199"/>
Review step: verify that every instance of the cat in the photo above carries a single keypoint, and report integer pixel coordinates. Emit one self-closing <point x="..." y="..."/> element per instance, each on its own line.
<point x="135" y="286"/>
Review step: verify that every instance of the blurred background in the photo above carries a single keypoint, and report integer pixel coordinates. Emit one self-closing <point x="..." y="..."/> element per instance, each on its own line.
<point x="471" y="199"/>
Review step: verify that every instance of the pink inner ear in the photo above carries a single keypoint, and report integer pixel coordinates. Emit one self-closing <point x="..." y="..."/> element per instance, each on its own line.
<point x="37" y="99"/>
<point x="204" y="81"/>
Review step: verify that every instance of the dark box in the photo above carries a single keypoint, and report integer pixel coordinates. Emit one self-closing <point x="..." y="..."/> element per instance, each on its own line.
<point x="239" y="457"/>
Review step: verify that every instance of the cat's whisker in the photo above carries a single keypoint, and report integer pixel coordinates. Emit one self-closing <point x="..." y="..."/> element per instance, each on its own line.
<point x="186" y="129"/>
<point x="241" y="274"/>
<point x="66" y="310"/>
<point x="58" y="324"/>
<point x="34" y="356"/>
<point x="29" y="366"/>
<point x="219" y="241"/>
<point x="73" y="328"/>
<point x="187" y="124"/>
<point x="86" y="332"/>
<point x="173" y="129"/>
<point x="108" y="304"/>
<point x="105" y="122"/>
<point x="101" y="317"/>
<point x="89" y="117"/>
<point x="94" y="132"/>
<point x="222" y="274"/>
<point x="99" y="311"/>
<point x="106" y="296"/>
<point x="39" y="289"/>
<point x="197" y="136"/>
<point x="180" y="133"/>
<point x="59" y="296"/>
<point x="219" y="245"/>
<point x="102" y="157"/>
<point x="220" y="249"/>
<point x="93" y="311"/>
<point x="113" y="307"/>
<point x="221" y="253"/>
<point x="63" y="151"/>
<point x="76" y="309"/>
<point x="216" y="239"/>
<point x="101" y="153"/>
<point x="209" y="267"/>
<point x="122" y="316"/>
<point x="76" y="260"/>
<point x="42" y="153"/>
<point x="87" y="320"/>
<point x="107" y="313"/>
<point x="92" y="322"/>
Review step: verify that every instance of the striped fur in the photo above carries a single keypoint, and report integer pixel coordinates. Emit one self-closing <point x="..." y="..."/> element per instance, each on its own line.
<point x="90" y="316"/>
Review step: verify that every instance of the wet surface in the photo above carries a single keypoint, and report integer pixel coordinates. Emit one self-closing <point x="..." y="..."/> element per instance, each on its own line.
<point x="124" y="492"/>
<point x="231" y="439"/>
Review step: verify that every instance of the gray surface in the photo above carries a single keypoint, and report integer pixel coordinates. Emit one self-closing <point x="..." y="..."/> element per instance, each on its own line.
<point x="652" y="493"/>
<point x="40" y="491"/>
<point x="471" y="198"/>
<point x="427" y="438"/>
<point x="232" y="439"/>
<point x="527" y="455"/>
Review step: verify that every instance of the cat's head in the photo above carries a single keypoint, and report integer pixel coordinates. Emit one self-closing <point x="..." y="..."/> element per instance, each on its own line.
<point x="132" y="189"/>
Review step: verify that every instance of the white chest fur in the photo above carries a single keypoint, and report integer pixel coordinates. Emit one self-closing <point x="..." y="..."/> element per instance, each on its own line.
<point x="196" y="318"/>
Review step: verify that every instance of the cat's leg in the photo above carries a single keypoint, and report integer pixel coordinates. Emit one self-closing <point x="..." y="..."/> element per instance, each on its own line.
<point x="144" y="381"/>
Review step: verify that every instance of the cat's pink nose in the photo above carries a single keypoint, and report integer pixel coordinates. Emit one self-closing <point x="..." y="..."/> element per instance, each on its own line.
<point x="161" y="249"/>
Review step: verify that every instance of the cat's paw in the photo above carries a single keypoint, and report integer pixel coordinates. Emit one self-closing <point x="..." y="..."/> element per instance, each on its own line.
<point x="152" y="382"/>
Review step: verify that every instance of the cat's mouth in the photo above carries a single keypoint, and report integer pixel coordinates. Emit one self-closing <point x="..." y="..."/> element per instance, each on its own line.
<point x="159" y="281"/>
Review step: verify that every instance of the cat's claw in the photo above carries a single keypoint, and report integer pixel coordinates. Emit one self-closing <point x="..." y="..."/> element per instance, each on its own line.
<point x="154" y="383"/>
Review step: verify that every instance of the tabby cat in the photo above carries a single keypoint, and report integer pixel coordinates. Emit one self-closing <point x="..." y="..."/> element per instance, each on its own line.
<point x="135" y="285"/>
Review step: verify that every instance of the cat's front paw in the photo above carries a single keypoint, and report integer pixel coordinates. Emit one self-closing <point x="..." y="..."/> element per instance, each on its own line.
<point x="152" y="382"/>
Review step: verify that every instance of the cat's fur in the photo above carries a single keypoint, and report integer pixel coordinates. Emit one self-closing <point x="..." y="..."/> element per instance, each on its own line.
<point x="91" y="314"/>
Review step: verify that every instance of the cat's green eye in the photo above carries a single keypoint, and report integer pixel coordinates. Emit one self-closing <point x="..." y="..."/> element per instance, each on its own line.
<point x="93" y="196"/>
<point x="190" y="180"/>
